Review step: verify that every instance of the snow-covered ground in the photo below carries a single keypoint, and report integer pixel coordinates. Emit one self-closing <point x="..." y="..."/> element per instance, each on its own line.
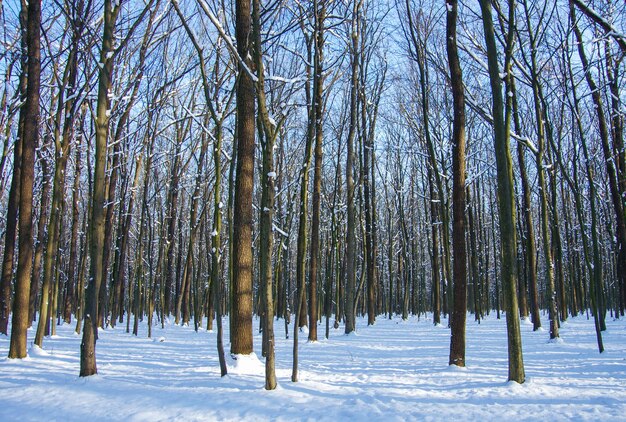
<point x="394" y="370"/>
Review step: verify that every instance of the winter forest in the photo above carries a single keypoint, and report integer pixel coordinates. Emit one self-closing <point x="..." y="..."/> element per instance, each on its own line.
<point x="308" y="181"/>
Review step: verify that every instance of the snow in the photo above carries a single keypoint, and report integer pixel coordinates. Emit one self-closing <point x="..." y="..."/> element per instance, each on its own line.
<point x="246" y="364"/>
<point x="393" y="370"/>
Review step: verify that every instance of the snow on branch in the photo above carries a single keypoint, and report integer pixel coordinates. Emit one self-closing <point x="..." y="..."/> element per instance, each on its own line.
<point x="599" y="20"/>
<point x="229" y="41"/>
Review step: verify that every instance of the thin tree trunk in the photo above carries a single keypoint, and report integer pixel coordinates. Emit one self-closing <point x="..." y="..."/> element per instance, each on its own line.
<point x="616" y="195"/>
<point x="72" y="270"/>
<point x="531" y="248"/>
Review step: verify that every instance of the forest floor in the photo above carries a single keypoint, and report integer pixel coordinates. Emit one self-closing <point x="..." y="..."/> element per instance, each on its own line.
<point x="394" y="370"/>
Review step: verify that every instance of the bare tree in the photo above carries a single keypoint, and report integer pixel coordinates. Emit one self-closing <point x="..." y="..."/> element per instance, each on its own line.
<point x="30" y="136"/>
<point x="506" y="197"/>
<point x="459" y="311"/>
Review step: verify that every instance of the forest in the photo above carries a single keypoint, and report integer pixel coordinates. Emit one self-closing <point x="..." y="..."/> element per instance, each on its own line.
<point x="307" y="165"/>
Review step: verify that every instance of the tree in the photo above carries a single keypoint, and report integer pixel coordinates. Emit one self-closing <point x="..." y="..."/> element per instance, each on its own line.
<point x="543" y="194"/>
<point x="6" y="275"/>
<point x="108" y="54"/>
<point x="241" y="329"/>
<point x="529" y="235"/>
<point x="459" y="310"/>
<point x="30" y="136"/>
<point x="319" y="11"/>
<point x="506" y="196"/>
<point x="66" y="112"/>
<point x="96" y="226"/>
<point x="350" y="256"/>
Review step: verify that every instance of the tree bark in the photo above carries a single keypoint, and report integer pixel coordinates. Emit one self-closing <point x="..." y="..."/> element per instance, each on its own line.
<point x="13" y="204"/>
<point x="350" y="257"/>
<point x="459" y="270"/>
<point x="241" y="338"/>
<point x="19" y="324"/>
<point x="96" y="226"/>
<point x="506" y="195"/>
<point x="318" y="82"/>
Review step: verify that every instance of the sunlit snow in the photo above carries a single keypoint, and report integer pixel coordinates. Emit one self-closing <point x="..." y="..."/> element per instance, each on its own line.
<point x="395" y="370"/>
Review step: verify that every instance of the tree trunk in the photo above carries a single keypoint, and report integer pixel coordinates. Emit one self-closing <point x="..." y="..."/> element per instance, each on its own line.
<point x="96" y="226"/>
<point x="506" y="195"/>
<point x="318" y="83"/>
<point x="241" y="329"/>
<point x="20" y="321"/>
<point x="6" y="276"/>
<point x="72" y="270"/>
<point x="459" y="310"/>
<point x="350" y="257"/>
<point x="616" y="195"/>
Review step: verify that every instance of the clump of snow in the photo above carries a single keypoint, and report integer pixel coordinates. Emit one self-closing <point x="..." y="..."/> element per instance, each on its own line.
<point x="37" y="351"/>
<point x="245" y="364"/>
<point x="526" y="321"/>
<point x="455" y="368"/>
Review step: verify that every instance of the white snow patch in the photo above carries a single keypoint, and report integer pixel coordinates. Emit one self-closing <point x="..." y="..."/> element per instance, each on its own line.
<point x="37" y="351"/>
<point x="245" y="364"/>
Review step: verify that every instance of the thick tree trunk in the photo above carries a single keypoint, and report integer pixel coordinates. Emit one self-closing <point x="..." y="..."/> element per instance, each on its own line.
<point x="10" y="235"/>
<point x="96" y="226"/>
<point x="30" y="137"/>
<point x="350" y="257"/>
<point x="241" y="329"/>
<point x="506" y="195"/>
<point x="6" y="274"/>
<point x="459" y="270"/>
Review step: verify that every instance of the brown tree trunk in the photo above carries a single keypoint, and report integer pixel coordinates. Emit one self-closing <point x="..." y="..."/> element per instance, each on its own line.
<point x="6" y="275"/>
<point x="241" y="338"/>
<point x="459" y="270"/>
<point x="30" y="138"/>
